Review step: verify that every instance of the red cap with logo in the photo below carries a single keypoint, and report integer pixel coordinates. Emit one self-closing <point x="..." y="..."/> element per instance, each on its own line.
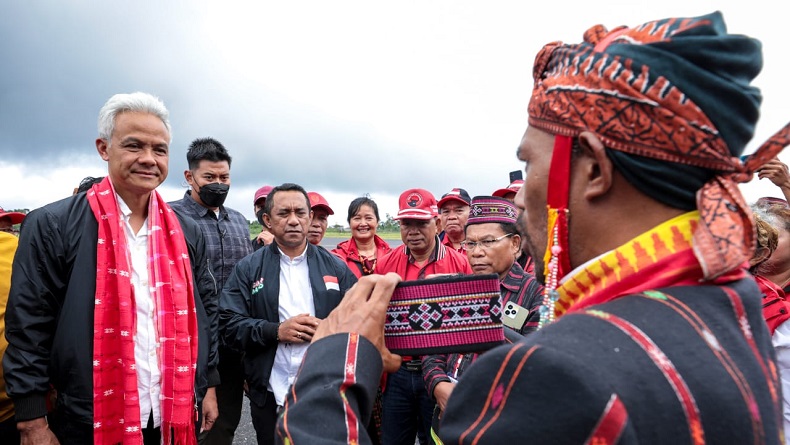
<point x="16" y="217"/>
<point x="318" y="201"/>
<point x="417" y="204"/>
<point x="514" y="187"/>
<point x="262" y="192"/>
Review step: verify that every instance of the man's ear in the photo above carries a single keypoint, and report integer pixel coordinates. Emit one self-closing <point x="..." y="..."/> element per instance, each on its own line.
<point x="101" y="147"/>
<point x="267" y="221"/>
<point x="598" y="169"/>
<point x="515" y="244"/>
<point x="187" y="176"/>
<point x="761" y="254"/>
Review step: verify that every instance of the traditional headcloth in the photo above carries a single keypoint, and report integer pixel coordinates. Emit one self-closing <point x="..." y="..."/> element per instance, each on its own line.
<point x="491" y="209"/>
<point x="672" y="102"/>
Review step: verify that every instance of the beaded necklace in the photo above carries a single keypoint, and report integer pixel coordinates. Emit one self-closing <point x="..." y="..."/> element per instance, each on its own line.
<point x="556" y="260"/>
<point x="550" y="294"/>
<point x="368" y="264"/>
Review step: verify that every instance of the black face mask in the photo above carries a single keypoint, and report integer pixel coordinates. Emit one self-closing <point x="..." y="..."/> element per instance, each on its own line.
<point x="214" y="194"/>
<point x="259" y="215"/>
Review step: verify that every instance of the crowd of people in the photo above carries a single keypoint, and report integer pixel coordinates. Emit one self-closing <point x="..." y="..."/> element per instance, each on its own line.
<point x="646" y="298"/>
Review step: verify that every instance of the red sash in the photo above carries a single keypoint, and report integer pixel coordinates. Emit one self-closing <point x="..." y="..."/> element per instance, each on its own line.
<point x="116" y="407"/>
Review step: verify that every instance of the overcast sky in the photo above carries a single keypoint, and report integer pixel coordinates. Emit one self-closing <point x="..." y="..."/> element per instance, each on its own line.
<point x="344" y="98"/>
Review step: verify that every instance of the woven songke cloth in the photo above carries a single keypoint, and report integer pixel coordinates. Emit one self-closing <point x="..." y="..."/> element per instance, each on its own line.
<point x="491" y="209"/>
<point x="672" y="102"/>
<point x="459" y="313"/>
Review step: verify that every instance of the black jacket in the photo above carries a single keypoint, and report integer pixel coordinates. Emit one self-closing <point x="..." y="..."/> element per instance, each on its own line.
<point x="249" y="306"/>
<point x="689" y="364"/>
<point x="49" y="321"/>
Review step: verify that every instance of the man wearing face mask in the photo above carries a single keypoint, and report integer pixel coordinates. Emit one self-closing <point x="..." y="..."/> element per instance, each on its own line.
<point x="227" y="241"/>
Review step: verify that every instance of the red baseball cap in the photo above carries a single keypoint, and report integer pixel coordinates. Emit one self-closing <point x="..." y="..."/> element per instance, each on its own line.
<point x="316" y="200"/>
<point x="16" y="217"/>
<point x="417" y="204"/>
<point x="512" y="188"/>
<point x="455" y="194"/>
<point x="262" y="192"/>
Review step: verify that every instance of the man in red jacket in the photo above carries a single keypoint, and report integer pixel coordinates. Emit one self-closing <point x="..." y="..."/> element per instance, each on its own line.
<point x="421" y="253"/>
<point x="420" y="256"/>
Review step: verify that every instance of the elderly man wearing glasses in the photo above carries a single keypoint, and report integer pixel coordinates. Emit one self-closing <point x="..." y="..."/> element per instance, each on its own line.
<point x="492" y="245"/>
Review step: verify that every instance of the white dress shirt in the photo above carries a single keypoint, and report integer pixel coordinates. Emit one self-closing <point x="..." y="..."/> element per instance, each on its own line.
<point x="145" y="339"/>
<point x="296" y="297"/>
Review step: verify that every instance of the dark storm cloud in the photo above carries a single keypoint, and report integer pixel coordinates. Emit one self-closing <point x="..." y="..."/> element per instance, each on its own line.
<point x="62" y="61"/>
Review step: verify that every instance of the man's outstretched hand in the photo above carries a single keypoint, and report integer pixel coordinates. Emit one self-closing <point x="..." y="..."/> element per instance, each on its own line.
<point x="777" y="172"/>
<point x="363" y="310"/>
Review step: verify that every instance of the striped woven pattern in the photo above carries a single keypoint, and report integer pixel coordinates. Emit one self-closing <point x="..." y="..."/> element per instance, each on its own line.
<point x="444" y="315"/>
<point x="491" y="209"/>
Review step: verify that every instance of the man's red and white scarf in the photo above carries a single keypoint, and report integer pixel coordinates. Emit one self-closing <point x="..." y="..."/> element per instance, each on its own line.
<point x="116" y="406"/>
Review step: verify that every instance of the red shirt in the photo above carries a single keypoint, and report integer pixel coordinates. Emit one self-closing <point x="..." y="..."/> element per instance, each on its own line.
<point x="441" y="261"/>
<point x="348" y="252"/>
<point x="776" y="309"/>
<point x="446" y="241"/>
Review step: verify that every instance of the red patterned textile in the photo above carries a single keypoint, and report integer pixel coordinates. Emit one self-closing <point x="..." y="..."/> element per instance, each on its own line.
<point x="116" y="408"/>
<point x="460" y="313"/>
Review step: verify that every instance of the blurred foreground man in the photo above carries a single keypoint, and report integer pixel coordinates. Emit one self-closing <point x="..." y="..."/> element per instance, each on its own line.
<point x="111" y="302"/>
<point x="652" y="331"/>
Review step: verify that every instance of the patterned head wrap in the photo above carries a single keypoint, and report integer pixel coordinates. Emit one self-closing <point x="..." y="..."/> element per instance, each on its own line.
<point x="672" y="102"/>
<point x="491" y="209"/>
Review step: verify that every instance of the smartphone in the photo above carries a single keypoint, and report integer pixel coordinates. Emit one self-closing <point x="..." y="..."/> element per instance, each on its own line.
<point x="514" y="316"/>
<point x="516" y="174"/>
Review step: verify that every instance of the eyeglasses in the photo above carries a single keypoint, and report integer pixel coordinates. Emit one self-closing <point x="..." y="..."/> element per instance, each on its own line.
<point x="484" y="244"/>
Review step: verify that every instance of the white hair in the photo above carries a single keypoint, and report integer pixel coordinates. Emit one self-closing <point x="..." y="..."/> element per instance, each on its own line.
<point x="762" y="212"/>
<point x="137" y="102"/>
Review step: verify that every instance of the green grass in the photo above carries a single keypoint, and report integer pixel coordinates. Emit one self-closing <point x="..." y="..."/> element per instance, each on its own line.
<point x="389" y="235"/>
<point x="255" y="229"/>
<point x="338" y="234"/>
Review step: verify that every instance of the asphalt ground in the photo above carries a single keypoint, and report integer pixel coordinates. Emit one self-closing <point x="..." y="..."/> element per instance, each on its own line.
<point x="245" y="433"/>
